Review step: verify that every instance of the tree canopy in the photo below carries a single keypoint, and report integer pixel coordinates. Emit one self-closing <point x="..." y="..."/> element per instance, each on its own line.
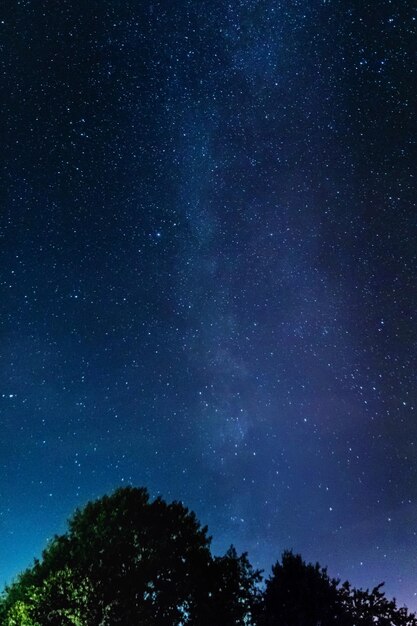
<point x="126" y="560"/>
<point x="303" y="594"/>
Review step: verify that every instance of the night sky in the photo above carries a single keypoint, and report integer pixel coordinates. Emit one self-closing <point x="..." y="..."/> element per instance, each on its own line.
<point x="207" y="242"/>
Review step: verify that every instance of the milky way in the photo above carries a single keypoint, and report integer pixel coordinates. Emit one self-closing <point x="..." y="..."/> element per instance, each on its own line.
<point x="207" y="273"/>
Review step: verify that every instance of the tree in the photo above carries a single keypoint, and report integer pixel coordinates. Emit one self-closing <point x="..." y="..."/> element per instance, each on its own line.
<point x="127" y="560"/>
<point x="233" y="592"/>
<point x="300" y="594"/>
<point x="367" y="608"/>
<point x="59" y="601"/>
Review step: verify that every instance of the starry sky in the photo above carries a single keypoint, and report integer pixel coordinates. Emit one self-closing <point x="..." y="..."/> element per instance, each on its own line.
<point x="207" y="259"/>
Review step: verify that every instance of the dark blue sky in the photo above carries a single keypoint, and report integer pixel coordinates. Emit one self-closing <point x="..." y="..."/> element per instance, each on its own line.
<point x="208" y="273"/>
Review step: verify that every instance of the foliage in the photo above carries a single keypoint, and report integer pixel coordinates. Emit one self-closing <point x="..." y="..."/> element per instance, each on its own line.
<point x="367" y="608"/>
<point x="232" y="592"/>
<point x="59" y="601"/>
<point x="300" y="594"/>
<point x="126" y="560"/>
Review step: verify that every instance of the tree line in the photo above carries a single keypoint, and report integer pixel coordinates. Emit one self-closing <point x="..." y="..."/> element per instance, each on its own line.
<point x="129" y="561"/>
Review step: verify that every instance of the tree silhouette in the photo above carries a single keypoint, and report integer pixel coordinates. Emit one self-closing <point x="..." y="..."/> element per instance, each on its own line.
<point x="234" y="593"/>
<point x="303" y="594"/>
<point x="367" y="608"/>
<point x="300" y="594"/>
<point x="126" y="560"/>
